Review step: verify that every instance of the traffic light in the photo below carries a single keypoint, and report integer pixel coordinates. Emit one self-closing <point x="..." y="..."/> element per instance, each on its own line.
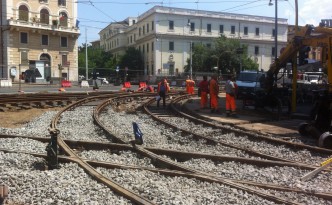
<point x="303" y="55"/>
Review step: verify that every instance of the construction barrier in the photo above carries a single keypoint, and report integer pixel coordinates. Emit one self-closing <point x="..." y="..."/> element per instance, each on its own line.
<point x="84" y="83"/>
<point x="5" y="83"/>
<point x="127" y="84"/>
<point x="65" y="83"/>
<point x="142" y="84"/>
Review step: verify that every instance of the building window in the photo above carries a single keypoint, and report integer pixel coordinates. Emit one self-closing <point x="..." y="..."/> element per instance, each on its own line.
<point x="273" y="32"/>
<point x="273" y="51"/>
<point x="143" y="30"/>
<point x="208" y="28"/>
<point x="139" y="31"/>
<point x="232" y="29"/>
<point x="192" y="27"/>
<point x="64" y="42"/>
<point x="44" y="16"/>
<point x="245" y="32"/>
<point x="221" y="28"/>
<point x="43" y="1"/>
<point x="131" y="39"/>
<point x="257" y="31"/>
<point x="24" y="58"/>
<point x="64" y="60"/>
<point x="44" y="40"/>
<point x="23" y="13"/>
<point x="171" y="25"/>
<point x="63" y="19"/>
<point x="62" y="2"/>
<point x="143" y="47"/>
<point x="147" y="28"/>
<point x="147" y="48"/>
<point x="256" y="50"/>
<point x="152" y="25"/>
<point x="171" y="46"/>
<point x="208" y="45"/>
<point x="24" y="37"/>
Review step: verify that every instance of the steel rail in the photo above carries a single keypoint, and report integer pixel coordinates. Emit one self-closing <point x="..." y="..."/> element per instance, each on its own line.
<point x="167" y="172"/>
<point x="89" y="169"/>
<point x="209" y="122"/>
<point x="179" y="155"/>
<point x="171" y="164"/>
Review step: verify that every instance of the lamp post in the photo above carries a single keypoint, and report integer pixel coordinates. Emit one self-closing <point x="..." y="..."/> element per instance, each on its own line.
<point x="191" y="51"/>
<point x="191" y="60"/>
<point x="275" y="29"/>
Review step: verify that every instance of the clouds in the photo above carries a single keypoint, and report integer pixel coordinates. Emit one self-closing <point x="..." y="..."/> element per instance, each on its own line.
<point x="312" y="11"/>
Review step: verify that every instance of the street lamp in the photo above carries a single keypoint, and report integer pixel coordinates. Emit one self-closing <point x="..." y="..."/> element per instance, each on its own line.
<point x="191" y="60"/>
<point x="275" y="29"/>
<point x="191" y="53"/>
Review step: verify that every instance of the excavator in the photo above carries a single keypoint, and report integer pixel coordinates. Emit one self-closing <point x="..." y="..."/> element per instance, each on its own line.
<point x="320" y="125"/>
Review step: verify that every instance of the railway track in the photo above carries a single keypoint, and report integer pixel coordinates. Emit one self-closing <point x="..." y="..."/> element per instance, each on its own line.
<point x="166" y="162"/>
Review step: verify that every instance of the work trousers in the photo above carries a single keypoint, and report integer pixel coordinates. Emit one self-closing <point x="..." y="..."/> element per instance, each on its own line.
<point x="162" y="96"/>
<point x="204" y="99"/>
<point x="214" y="101"/>
<point x="230" y="103"/>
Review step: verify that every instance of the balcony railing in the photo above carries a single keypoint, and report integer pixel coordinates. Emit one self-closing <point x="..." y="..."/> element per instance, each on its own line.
<point x="38" y="24"/>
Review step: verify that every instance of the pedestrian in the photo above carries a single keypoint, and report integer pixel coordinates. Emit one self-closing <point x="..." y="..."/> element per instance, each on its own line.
<point x="230" y="89"/>
<point x="163" y="89"/>
<point x="203" y="86"/>
<point x="190" y="85"/>
<point x="214" y="91"/>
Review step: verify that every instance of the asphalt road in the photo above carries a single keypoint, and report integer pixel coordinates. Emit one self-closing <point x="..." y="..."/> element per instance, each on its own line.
<point x="35" y="88"/>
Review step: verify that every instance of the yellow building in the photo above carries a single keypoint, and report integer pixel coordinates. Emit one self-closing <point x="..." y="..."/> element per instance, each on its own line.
<point x="39" y="34"/>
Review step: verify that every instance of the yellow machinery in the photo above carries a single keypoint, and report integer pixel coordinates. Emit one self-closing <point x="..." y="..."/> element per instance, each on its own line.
<point x="320" y="125"/>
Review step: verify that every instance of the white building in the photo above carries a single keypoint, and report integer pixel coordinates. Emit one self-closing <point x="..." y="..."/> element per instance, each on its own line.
<point x="164" y="36"/>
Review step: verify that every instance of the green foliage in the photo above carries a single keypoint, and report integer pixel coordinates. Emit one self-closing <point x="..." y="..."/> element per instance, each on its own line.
<point x="97" y="58"/>
<point x="133" y="60"/>
<point x="223" y="55"/>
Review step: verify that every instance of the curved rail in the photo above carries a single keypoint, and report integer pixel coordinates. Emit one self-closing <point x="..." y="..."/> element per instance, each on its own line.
<point x="201" y="175"/>
<point x="89" y="169"/>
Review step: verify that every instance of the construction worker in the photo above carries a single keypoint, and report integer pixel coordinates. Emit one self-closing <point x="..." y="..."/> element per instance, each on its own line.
<point x="214" y="91"/>
<point x="163" y="89"/>
<point x="230" y="89"/>
<point x="190" y="85"/>
<point x="204" y="90"/>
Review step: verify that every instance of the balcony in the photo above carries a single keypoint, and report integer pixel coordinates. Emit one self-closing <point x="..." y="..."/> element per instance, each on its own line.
<point x="36" y="23"/>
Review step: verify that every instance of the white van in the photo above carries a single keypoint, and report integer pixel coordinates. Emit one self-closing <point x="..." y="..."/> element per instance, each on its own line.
<point x="249" y="82"/>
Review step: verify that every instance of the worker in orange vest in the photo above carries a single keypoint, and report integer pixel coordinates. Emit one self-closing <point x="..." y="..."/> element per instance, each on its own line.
<point x="214" y="91"/>
<point x="163" y="89"/>
<point x="203" y="86"/>
<point x="230" y="89"/>
<point x="190" y="85"/>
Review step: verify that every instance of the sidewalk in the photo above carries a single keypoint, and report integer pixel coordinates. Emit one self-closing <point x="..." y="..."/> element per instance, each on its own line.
<point x="258" y="120"/>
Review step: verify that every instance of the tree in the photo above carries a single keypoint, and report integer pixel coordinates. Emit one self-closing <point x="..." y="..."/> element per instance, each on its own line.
<point x="224" y="54"/>
<point x="133" y="60"/>
<point x="97" y="58"/>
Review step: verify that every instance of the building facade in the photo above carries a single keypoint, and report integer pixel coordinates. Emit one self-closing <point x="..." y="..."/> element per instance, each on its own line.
<point x="39" y="36"/>
<point x="165" y="36"/>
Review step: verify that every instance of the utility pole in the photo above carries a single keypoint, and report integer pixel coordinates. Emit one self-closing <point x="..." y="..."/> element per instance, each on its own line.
<point x="86" y="56"/>
<point x="191" y="60"/>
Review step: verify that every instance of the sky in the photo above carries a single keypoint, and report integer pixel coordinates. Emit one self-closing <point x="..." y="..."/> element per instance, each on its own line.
<point x="94" y="15"/>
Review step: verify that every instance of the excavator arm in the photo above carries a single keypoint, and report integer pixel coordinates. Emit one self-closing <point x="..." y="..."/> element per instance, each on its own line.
<point x="290" y="50"/>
